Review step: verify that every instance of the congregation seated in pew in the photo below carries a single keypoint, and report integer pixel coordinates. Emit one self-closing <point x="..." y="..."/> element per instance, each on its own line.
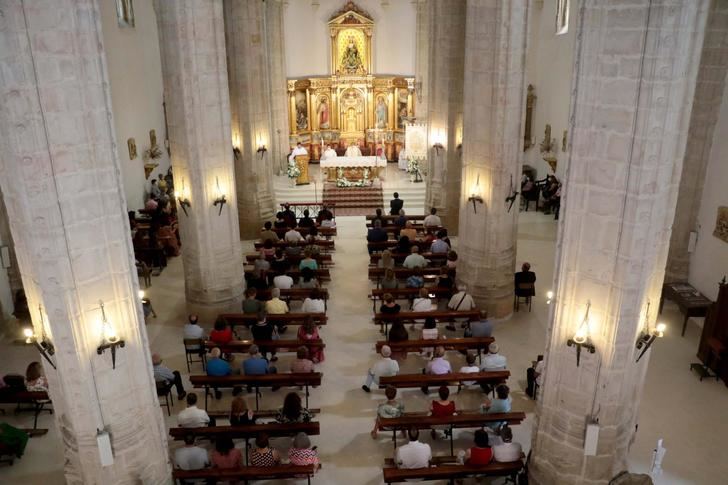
<point x="386" y="366"/>
<point x="308" y="332"/>
<point x="293" y="410"/>
<point x="391" y="408"/>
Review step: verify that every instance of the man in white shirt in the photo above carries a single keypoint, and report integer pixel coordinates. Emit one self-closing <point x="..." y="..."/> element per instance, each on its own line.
<point x="414" y="454"/>
<point x="415" y="259"/>
<point x="460" y="302"/>
<point x="438" y="365"/>
<point x="191" y="457"/>
<point x="469" y="368"/>
<point x="283" y="282"/>
<point x="385" y="367"/>
<point x="507" y="451"/>
<point x="192" y="416"/>
<point x="329" y="153"/>
<point x="314" y="304"/>
<point x="293" y="235"/>
<point x="493" y="360"/>
<point x="299" y="150"/>
<point x="192" y="329"/>
<point x="352" y="151"/>
<point x="432" y="220"/>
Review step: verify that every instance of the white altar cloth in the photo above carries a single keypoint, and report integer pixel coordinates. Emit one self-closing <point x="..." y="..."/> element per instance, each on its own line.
<point x="353" y="162"/>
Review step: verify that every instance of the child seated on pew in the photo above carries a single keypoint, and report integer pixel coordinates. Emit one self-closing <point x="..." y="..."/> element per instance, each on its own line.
<point x="391" y="408"/>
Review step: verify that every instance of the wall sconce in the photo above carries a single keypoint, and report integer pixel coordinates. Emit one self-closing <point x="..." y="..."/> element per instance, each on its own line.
<point x="236" y="146"/>
<point x="110" y="338"/>
<point x="183" y="201"/>
<point x="549" y="297"/>
<point x="581" y="337"/>
<point x="261" y="149"/>
<point x="45" y="347"/>
<point x="475" y="195"/>
<point x="438" y="146"/>
<point x="646" y="339"/>
<point x="236" y="153"/>
<point x="220" y="198"/>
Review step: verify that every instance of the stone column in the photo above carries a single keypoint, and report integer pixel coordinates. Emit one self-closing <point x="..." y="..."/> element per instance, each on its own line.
<point x="192" y="47"/>
<point x="446" y="45"/>
<point x="706" y="106"/>
<point x="635" y="73"/>
<point x="257" y="88"/>
<point x="495" y="53"/>
<point x="422" y="56"/>
<point x="60" y="179"/>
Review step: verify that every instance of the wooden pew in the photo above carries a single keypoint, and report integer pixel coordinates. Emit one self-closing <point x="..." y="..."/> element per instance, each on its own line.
<point x="243" y="346"/>
<point x="324" y="244"/>
<point x="322" y="274"/>
<point x="435" y="258"/>
<point x="258" y="381"/>
<point x="322" y="258"/>
<point x="391" y="243"/>
<point x="439" y="316"/>
<point x="404" y="381"/>
<point x="430" y="274"/>
<point x="274" y="430"/>
<point x="451" y="472"/>
<point x="390" y="218"/>
<point x="409" y="294"/>
<point x="323" y="231"/>
<point x="463" y="419"/>
<point x="246" y="474"/>
<point x="267" y="413"/>
<point x="458" y="344"/>
<point x="38" y="400"/>
<point x="298" y="294"/>
<point x="234" y="319"/>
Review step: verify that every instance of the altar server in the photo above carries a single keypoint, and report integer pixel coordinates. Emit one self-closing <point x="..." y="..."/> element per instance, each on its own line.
<point x="353" y="151"/>
<point x="329" y="153"/>
<point x="299" y="150"/>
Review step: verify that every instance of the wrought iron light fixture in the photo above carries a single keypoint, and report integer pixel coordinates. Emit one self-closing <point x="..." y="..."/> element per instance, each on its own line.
<point x="475" y="195"/>
<point x="581" y="337"/>
<point x="220" y="199"/>
<point x="647" y="337"/>
<point x="110" y="339"/>
<point x="44" y="346"/>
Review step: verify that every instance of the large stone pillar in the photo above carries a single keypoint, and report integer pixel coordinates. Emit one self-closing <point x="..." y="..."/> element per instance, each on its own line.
<point x="446" y="45"/>
<point x="192" y="47"/>
<point x="704" y="117"/>
<point x="257" y="82"/>
<point x="635" y="73"/>
<point x="422" y="57"/>
<point x="495" y="53"/>
<point x="60" y="179"/>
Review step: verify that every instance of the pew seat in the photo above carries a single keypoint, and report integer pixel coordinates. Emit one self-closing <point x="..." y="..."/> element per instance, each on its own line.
<point x="459" y="344"/>
<point x="246" y="474"/>
<point x="295" y="318"/>
<point x="257" y="381"/>
<point x="409" y="294"/>
<point x="243" y="346"/>
<point x="401" y="381"/>
<point x="452" y="471"/>
<point x="36" y="401"/>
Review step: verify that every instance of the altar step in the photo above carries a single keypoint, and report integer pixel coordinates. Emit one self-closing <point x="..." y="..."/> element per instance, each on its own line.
<point x="353" y="201"/>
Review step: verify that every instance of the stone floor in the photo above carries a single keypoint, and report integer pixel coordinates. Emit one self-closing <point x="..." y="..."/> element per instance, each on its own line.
<point x="689" y="415"/>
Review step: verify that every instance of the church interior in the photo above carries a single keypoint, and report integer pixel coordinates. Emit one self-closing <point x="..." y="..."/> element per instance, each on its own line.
<point x="191" y="191"/>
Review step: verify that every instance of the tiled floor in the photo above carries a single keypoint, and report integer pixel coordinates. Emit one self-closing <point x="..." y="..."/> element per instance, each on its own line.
<point x="689" y="415"/>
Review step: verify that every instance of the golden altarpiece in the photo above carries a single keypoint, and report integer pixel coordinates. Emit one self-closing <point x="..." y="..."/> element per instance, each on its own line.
<point x="352" y="106"/>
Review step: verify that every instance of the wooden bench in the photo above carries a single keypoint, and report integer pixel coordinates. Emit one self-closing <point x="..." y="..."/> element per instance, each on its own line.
<point x="38" y="400"/>
<point x="391" y="243"/>
<point x="458" y="344"/>
<point x="323" y="244"/>
<point x="404" y="381"/>
<point x="267" y="413"/>
<point x="322" y="274"/>
<point x="243" y="346"/>
<point x="451" y="472"/>
<point x="435" y="258"/>
<point x="439" y="316"/>
<point x="429" y="274"/>
<point x="463" y="419"/>
<point x="298" y="294"/>
<point x="246" y="474"/>
<point x="235" y="319"/>
<point x="257" y="381"/>
<point x="293" y="259"/>
<point x="408" y="294"/>
<point x="390" y="218"/>
<point x="323" y="231"/>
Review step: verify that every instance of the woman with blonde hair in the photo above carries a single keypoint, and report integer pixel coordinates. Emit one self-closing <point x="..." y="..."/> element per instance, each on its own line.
<point x="390" y="280"/>
<point x="386" y="261"/>
<point x="240" y="415"/>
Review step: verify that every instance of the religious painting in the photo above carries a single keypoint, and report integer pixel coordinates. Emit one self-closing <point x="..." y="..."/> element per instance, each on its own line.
<point x="301" y="111"/>
<point x="721" y="224"/>
<point x="125" y="13"/>
<point x="323" y="113"/>
<point x="402" y="113"/>
<point x="380" y="112"/>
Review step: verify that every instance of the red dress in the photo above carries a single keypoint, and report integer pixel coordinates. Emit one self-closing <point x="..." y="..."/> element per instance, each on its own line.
<point x="443" y="410"/>
<point x="222" y="336"/>
<point x="480" y="456"/>
<point x="316" y="354"/>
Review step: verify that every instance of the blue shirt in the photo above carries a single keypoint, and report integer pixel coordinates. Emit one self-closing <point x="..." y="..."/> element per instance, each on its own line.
<point x="439" y="246"/>
<point x="218" y="367"/>
<point x="255" y="366"/>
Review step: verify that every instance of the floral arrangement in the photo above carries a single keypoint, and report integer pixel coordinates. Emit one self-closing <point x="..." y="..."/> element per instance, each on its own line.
<point x="293" y="170"/>
<point x="413" y="166"/>
<point x="342" y="181"/>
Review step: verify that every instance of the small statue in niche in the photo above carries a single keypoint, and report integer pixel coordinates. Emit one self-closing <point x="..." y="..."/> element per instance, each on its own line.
<point x="351" y="60"/>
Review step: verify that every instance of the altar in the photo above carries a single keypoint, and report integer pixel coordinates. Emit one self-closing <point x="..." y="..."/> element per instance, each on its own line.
<point x="352" y="167"/>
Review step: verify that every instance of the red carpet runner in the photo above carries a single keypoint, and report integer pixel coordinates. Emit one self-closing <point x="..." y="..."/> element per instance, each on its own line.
<point x="354" y="201"/>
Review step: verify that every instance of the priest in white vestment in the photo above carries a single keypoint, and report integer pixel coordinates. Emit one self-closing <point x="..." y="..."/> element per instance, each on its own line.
<point x="353" y="151"/>
<point x="299" y="150"/>
<point x="329" y="153"/>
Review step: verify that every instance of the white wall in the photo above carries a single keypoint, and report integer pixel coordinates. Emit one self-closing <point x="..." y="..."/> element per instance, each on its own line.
<point x="135" y="73"/>
<point x="549" y="63"/>
<point x="709" y="262"/>
<point x="308" y="45"/>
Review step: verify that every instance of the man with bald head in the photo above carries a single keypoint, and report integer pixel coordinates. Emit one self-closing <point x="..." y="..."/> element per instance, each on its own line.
<point x="384" y="367"/>
<point x="170" y="378"/>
